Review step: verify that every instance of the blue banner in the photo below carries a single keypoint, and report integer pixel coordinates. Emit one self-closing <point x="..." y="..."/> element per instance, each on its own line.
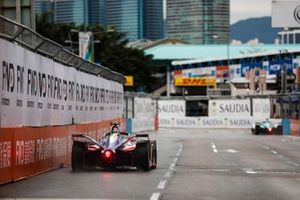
<point x="275" y="67"/>
<point x="247" y="66"/>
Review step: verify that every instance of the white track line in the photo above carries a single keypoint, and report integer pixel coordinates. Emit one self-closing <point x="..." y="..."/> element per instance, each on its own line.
<point x="162" y="184"/>
<point x="267" y="148"/>
<point x="168" y="174"/>
<point x="172" y="166"/>
<point x="175" y="160"/>
<point x="274" y="152"/>
<point x="250" y="171"/>
<point x="214" y="148"/>
<point x="155" y="196"/>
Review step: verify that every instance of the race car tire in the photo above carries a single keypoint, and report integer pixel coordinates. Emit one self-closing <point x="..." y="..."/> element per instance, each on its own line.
<point x="142" y="155"/>
<point x="154" y="155"/>
<point x="77" y="162"/>
<point x="257" y="130"/>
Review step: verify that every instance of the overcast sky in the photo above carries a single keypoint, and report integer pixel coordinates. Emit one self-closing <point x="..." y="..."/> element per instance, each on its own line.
<point x="243" y="9"/>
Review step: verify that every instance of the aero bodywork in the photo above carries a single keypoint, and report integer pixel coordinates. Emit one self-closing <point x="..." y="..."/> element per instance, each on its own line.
<point x="113" y="150"/>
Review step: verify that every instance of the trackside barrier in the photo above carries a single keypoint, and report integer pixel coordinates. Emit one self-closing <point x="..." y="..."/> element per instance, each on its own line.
<point x="286" y="127"/>
<point x="143" y="124"/>
<point x="141" y="113"/>
<point x="295" y="127"/>
<point x="129" y="125"/>
<point x="47" y="94"/>
<point x="27" y="151"/>
<point x="210" y="122"/>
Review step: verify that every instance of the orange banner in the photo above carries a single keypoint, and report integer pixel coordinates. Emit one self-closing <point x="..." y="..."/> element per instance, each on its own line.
<point x="298" y="76"/>
<point x="295" y="127"/>
<point x="29" y="151"/>
<point x="195" y="82"/>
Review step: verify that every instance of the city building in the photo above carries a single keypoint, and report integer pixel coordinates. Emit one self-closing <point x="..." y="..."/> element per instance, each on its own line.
<point x="43" y="6"/>
<point x="138" y="18"/>
<point x="97" y="12"/>
<point x="290" y="36"/>
<point x="199" y="21"/>
<point x="21" y="11"/>
<point x="70" y="11"/>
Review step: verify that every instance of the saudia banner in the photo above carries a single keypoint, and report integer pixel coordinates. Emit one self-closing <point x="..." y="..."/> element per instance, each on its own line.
<point x="171" y="108"/>
<point x="226" y="108"/>
<point x="36" y="91"/>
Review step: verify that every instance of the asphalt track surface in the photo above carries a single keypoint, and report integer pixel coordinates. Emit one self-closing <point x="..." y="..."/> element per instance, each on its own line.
<point x="206" y="164"/>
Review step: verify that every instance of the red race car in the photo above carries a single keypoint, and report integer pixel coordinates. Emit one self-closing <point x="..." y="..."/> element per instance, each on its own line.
<point x="115" y="149"/>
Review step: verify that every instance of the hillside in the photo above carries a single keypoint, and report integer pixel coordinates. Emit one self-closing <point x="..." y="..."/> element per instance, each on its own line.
<point x="260" y="28"/>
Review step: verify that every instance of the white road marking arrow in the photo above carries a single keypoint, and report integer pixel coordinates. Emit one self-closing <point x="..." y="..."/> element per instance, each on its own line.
<point x="230" y="151"/>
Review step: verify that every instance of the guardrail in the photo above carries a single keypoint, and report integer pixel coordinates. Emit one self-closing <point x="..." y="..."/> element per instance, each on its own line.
<point x="24" y="36"/>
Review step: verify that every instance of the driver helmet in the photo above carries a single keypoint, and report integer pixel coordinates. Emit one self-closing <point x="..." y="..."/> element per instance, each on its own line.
<point x="115" y="129"/>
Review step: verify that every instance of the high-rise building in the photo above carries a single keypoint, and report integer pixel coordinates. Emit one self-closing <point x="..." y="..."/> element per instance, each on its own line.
<point x="153" y="19"/>
<point x="70" y="11"/>
<point x="97" y="12"/>
<point x="138" y="18"/>
<point x="42" y="6"/>
<point x="126" y="16"/>
<point x="198" y="21"/>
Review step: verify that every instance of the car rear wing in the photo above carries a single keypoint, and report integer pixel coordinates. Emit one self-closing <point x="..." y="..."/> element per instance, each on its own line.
<point x="142" y="135"/>
<point x="83" y="138"/>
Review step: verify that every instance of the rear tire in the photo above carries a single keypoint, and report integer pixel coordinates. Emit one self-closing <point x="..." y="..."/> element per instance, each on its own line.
<point x="142" y="155"/>
<point x="77" y="162"/>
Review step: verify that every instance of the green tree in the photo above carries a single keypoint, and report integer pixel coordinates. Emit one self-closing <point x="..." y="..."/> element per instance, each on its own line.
<point x="110" y="52"/>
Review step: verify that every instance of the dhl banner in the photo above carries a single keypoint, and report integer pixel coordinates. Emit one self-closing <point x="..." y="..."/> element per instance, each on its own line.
<point x="37" y="91"/>
<point x="195" y="82"/>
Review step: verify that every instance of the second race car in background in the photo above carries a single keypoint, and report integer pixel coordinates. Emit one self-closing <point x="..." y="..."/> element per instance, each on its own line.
<point x="266" y="128"/>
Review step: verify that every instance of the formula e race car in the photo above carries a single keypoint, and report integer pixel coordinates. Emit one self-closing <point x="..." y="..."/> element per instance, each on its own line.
<point x="115" y="149"/>
<point x="266" y="128"/>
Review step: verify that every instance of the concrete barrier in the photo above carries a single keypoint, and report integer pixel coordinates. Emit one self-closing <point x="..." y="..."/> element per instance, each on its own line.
<point x="28" y="151"/>
<point x="143" y="124"/>
<point x="210" y="122"/>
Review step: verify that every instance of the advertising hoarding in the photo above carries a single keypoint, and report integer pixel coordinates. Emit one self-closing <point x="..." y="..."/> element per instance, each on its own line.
<point x="225" y="108"/>
<point x="171" y="108"/>
<point x="37" y="91"/>
<point x="285" y="13"/>
<point x="195" y="82"/>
